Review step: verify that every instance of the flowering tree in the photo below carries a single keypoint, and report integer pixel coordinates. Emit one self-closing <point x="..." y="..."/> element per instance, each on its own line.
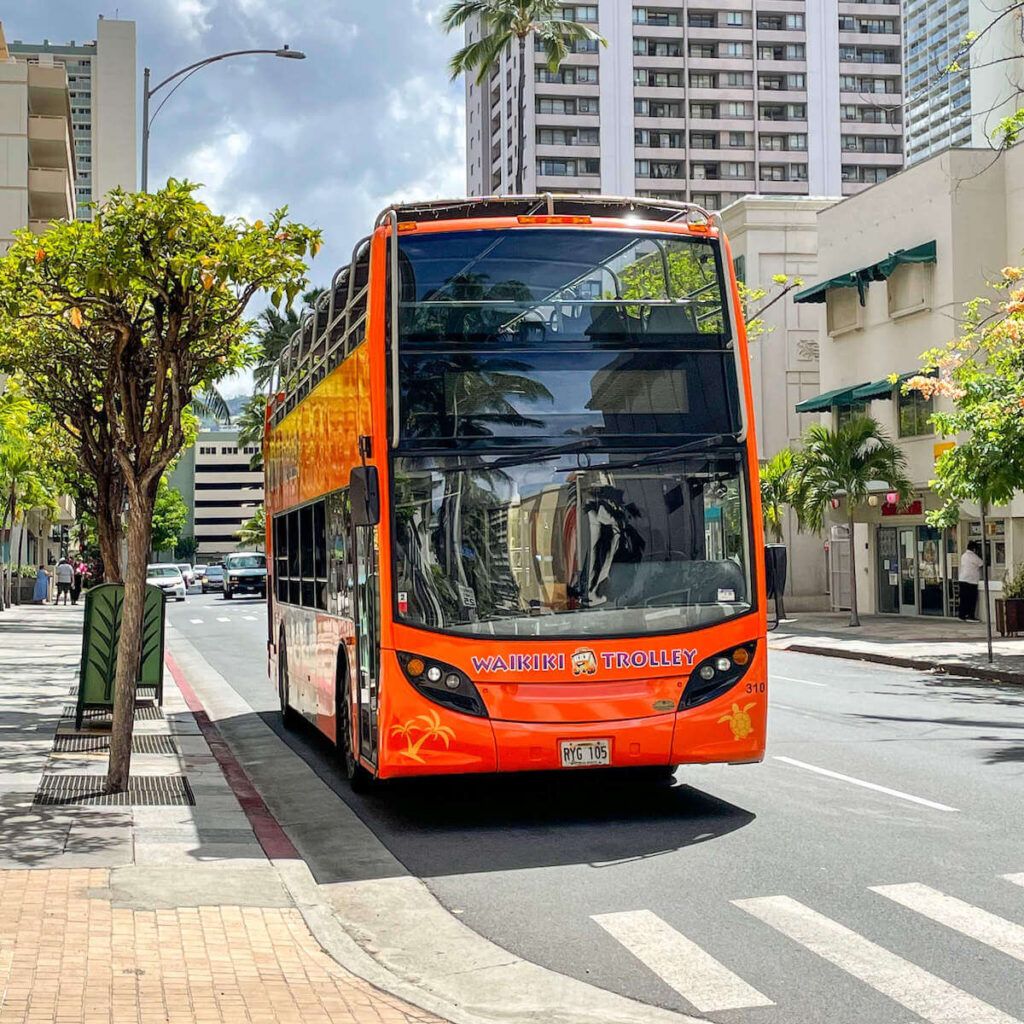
<point x="981" y="373"/>
<point x="115" y="324"/>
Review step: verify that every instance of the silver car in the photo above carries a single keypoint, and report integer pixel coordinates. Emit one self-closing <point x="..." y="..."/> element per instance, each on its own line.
<point x="168" y="578"/>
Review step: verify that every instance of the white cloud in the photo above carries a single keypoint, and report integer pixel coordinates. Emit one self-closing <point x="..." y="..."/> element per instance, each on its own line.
<point x="190" y="16"/>
<point x="213" y="163"/>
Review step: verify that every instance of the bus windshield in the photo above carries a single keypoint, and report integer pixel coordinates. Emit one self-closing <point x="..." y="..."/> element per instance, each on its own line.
<point x="571" y="546"/>
<point x="533" y="334"/>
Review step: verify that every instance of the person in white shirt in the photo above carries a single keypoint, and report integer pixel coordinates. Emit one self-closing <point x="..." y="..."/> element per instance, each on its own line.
<point x="968" y="577"/>
<point x="65" y="574"/>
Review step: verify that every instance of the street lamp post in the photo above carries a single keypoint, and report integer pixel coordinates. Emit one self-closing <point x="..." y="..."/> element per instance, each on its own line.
<point x="187" y="72"/>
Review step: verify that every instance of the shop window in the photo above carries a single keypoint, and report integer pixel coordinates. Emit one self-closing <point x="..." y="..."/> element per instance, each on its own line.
<point x="915" y="413"/>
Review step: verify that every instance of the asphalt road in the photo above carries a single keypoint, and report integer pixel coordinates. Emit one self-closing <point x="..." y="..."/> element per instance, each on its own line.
<point x="871" y="871"/>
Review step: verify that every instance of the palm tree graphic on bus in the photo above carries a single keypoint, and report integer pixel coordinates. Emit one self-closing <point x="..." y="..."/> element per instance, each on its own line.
<point x="420" y="730"/>
<point x="584" y="662"/>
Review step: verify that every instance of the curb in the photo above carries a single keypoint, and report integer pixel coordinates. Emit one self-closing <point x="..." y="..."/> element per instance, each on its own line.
<point x="946" y="668"/>
<point x="269" y="834"/>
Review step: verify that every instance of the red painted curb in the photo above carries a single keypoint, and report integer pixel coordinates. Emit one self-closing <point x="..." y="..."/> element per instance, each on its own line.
<point x="271" y="837"/>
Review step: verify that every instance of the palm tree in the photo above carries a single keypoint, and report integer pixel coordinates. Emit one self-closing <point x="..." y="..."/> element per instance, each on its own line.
<point x="251" y="421"/>
<point x="254" y="531"/>
<point x="501" y="22"/>
<point x="844" y="462"/>
<point x="274" y="332"/>
<point x="209" y="404"/>
<point x="776" y="491"/>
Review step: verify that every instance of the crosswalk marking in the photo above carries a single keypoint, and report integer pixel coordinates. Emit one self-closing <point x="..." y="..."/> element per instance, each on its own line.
<point x="1016" y="879"/>
<point x="680" y="963"/>
<point x="828" y="773"/>
<point x="196" y="622"/>
<point x="931" y="998"/>
<point x="223" y="618"/>
<point x="249" y="618"/>
<point x="973" y="922"/>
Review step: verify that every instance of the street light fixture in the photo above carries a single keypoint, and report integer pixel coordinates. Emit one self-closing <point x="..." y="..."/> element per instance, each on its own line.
<point x="185" y="73"/>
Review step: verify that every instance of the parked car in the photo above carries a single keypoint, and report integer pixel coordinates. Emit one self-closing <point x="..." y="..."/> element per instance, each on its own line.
<point x="168" y="578"/>
<point x="245" y="572"/>
<point x="188" y="574"/>
<point x="212" y="578"/>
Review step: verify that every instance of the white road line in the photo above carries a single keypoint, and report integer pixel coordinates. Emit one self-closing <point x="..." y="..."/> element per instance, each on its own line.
<point x="973" y="922"/>
<point x="1016" y="879"/>
<point x="911" y="986"/>
<point x="196" y="622"/>
<point x="683" y="965"/>
<point x="899" y="794"/>
<point x="249" y="618"/>
<point x="223" y="618"/>
<point x="792" y="679"/>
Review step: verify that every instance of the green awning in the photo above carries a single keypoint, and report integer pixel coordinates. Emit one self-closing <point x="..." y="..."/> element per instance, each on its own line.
<point x="841" y="398"/>
<point x="860" y="279"/>
<point x="883" y="388"/>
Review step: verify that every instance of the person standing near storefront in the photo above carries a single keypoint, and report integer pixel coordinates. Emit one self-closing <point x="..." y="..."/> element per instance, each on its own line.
<point x="968" y="578"/>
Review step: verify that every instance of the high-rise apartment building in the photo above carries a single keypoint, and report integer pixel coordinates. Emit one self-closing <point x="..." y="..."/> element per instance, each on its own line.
<point x="701" y="101"/>
<point x="102" y="82"/>
<point x="37" y="166"/>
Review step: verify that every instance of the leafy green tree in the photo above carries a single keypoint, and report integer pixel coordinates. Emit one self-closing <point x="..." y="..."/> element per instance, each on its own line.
<point x="146" y="303"/>
<point x="253" y="533"/>
<point x="250" y="425"/>
<point x="776" y="491"/>
<point x="186" y="548"/>
<point x="843" y="463"/>
<point x="504" y="23"/>
<point x="981" y="374"/>
<point x="170" y="514"/>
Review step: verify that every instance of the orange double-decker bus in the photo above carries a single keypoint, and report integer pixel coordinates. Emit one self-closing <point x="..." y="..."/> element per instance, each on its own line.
<point x="513" y="520"/>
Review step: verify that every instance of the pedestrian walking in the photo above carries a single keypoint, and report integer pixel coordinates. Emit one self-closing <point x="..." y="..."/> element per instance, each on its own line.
<point x="65" y="573"/>
<point x="968" y="578"/>
<point x="81" y="571"/>
<point x="41" y="591"/>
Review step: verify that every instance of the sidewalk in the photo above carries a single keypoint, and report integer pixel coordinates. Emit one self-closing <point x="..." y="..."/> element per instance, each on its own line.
<point x="933" y="644"/>
<point x="171" y="912"/>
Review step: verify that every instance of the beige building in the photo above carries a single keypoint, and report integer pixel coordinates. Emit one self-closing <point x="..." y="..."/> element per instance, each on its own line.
<point x="700" y="101"/>
<point x="895" y="266"/>
<point x="37" y="162"/>
<point x="772" y="235"/>
<point x="103" y="85"/>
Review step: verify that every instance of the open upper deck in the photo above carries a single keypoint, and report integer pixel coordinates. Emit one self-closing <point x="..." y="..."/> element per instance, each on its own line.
<point x="335" y="324"/>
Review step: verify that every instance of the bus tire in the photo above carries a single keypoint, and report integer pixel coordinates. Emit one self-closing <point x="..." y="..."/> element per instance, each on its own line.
<point x="288" y="715"/>
<point x="358" y="777"/>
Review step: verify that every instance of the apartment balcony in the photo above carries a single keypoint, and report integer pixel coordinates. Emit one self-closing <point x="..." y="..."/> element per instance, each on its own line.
<point x="567" y="183"/>
<point x="738" y="93"/>
<point x="885" y="129"/>
<point x="855" y="158"/>
<point x="50" y="194"/>
<point x="718" y="154"/>
<point x="781" y="95"/>
<point x="890" y="39"/>
<point x="558" y="90"/>
<point x="720" y="64"/>
<point x="770" y="66"/>
<point x="652" y="63"/>
<point x="850" y="67"/>
<point x="659" y="92"/>
<point x="576" y="152"/>
<point x="723" y="33"/>
<point x="773" y="127"/>
<point x="886" y="100"/>
<point x="569" y="120"/>
<point x="784" y="188"/>
<point x="47" y="90"/>
<point x="780" y="36"/>
<point x="662" y="153"/>
<point x="49" y="142"/>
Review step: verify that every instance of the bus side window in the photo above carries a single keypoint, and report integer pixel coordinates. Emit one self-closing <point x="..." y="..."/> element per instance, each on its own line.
<point x="319" y="555"/>
<point x="339" y="566"/>
<point x="281" y="556"/>
<point x="294" y="568"/>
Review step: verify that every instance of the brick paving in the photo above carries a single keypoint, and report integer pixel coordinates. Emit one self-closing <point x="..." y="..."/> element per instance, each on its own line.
<point x="69" y="955"/>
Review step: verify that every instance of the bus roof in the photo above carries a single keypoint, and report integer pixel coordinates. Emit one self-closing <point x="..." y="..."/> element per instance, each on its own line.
<point x="546" y="204"/>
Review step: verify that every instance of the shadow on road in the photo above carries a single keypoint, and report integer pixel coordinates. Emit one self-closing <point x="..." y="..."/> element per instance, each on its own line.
<point x="477" y="823"/>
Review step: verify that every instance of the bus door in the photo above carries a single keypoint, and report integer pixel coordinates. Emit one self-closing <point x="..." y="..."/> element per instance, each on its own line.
<point x="367" y="637"/>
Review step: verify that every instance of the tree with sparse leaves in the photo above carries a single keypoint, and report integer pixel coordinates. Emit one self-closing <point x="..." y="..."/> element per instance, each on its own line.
<point x="506" y="23"/>
<point x="131" y="315"/>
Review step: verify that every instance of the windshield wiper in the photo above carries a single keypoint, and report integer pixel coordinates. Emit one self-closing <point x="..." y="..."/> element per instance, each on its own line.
<point x="701" y="444"/>
<point x="552" y="452"/>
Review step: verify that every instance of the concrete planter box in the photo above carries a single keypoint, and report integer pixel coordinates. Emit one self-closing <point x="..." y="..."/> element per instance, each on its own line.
<point x="1010" y="615"/>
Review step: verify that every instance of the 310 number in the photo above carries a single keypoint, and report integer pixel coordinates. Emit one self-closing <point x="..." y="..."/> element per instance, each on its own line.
<point x="755" y="687"/>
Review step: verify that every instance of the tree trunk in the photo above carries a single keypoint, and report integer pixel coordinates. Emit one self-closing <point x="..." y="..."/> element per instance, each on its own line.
<point x="21" y="550"/>
<point x="854" y="617"/>
<point x="109" y="533"/>
<point x="140" y="528"/>
<point x="521" y="161"/>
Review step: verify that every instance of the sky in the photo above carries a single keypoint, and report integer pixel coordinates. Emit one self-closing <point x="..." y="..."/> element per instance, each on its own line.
<point x="369" y="118"/>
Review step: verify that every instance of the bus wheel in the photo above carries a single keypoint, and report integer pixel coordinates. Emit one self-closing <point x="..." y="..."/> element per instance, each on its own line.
<point x="359" y="778"/>
<point x="288" y="716"/>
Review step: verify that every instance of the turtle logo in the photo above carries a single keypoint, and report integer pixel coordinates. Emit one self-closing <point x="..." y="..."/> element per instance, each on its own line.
<point x="584" y="662"/>
<point x="739" y="721"/>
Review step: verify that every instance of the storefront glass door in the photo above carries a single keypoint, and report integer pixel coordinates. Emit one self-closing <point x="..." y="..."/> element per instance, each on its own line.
<point x="908" y="571"/>
<point x="912" y="571"/>
<point x="930" y="574"/>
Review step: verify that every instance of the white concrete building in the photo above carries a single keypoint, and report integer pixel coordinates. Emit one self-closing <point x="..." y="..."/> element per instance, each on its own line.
<point x="700" y="101"/>
<point x="37" y="163"/>
<point x="960" y="107"/>
<point x="919" y="245"/>
<point x="103" y="85"/>
<point x="221" y="491"/>
<point x="772" y="235"/>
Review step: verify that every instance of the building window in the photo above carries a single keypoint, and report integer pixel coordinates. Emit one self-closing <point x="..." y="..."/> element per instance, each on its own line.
<point x="914" y="412"/>
<point x="844" y="414"/>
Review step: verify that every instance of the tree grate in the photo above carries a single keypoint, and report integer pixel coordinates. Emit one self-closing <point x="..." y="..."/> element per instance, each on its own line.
<point x="78" y="743"/>
<point x="145" y="711"/>
<point x="143" y="791"/>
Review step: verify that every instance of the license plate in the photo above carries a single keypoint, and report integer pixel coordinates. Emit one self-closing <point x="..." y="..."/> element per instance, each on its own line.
<point x="584" y="753"/>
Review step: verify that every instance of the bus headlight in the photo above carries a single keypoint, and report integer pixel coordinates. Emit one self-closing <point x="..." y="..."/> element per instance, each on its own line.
<point x="443" y="684"/>
<point x="715" y="675"/>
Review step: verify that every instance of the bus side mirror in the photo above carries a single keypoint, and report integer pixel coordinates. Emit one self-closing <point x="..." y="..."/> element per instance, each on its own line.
<point x="364" y="494"/>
